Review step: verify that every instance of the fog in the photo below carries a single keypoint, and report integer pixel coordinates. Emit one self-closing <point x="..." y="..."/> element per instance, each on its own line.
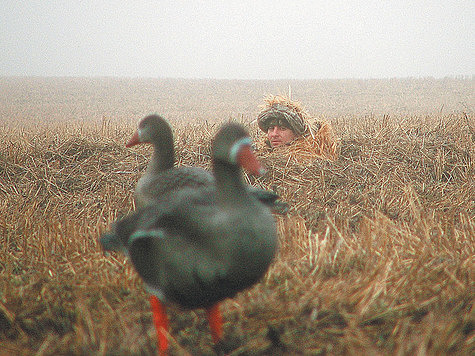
<point x="238" y="39"/>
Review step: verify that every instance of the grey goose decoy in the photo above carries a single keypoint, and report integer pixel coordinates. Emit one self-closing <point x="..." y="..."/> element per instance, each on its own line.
<point x="203" y="244"/>
<point x="161" y="177"/>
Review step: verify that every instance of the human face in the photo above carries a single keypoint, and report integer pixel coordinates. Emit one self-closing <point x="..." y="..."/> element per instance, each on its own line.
<point x="279" y="135"/>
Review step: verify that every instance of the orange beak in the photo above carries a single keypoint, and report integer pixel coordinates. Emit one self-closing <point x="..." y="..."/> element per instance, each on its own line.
<point x="248" y="161"/>
<point x="134" y="140"/>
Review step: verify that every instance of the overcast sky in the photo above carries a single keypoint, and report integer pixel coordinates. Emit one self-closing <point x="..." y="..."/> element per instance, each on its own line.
<point x="238" y="39"/>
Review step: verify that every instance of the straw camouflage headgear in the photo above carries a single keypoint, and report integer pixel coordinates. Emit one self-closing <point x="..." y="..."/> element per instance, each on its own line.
<point x="281" y="111"/>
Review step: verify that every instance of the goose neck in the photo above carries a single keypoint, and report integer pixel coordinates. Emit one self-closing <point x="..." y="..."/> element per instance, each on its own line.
<point x="162" y="159"/>
<point x="229" y="184"/>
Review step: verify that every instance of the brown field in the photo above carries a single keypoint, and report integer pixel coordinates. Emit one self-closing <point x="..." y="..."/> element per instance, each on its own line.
<point x="377" y="252"/>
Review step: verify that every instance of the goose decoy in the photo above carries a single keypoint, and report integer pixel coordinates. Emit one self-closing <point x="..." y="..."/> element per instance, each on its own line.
<point x="198" y="246"/>
<point x="161" y="177"/>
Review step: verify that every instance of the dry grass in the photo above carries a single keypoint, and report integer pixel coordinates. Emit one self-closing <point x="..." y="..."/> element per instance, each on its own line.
<point x="377" y="252"/>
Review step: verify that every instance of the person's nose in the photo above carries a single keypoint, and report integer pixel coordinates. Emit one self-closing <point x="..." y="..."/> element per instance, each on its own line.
<point x="273" y="131"/>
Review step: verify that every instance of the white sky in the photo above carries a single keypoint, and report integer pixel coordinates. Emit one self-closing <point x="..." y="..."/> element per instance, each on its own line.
<point x="238" y="39"/>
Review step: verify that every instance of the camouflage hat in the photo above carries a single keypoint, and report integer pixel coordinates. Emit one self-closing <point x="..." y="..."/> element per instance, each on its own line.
<point x="281" y="111"/>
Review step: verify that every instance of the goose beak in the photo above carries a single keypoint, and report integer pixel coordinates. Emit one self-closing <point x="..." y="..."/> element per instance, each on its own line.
<point x="134" y="140"/>
<point x="248" y="161"/>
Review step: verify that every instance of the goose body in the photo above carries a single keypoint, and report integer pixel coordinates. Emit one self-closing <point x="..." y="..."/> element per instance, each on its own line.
<point x="195" y="254"/>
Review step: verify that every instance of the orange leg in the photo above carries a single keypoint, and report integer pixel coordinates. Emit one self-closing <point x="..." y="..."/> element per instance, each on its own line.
<point x="161" y="324"/>
<point x="215" y="322"/>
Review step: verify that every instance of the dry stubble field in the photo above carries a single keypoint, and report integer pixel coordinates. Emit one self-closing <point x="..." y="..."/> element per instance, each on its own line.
<point x="377" y="250"/>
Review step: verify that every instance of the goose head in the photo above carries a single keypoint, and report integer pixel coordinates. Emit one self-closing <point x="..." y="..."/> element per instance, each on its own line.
<point x="232" y="146"/>
<point x="151" y="129"/>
